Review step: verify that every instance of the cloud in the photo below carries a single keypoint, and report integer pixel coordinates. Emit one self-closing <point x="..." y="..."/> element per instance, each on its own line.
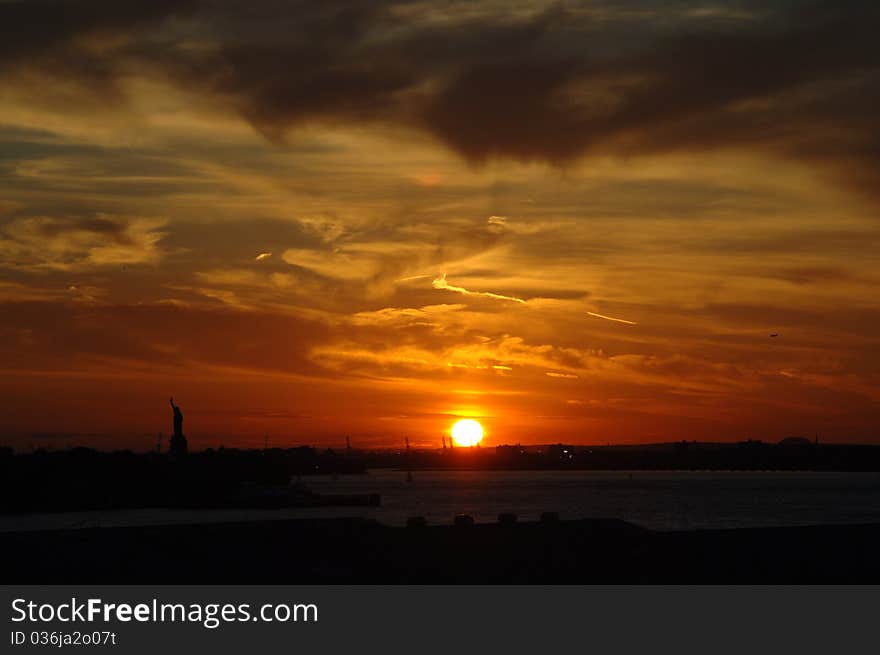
<point x="547" y="83"/>
<point x="83" y="46"/>
<point x="434" y="316"/>
<point x="497" y="223"/>
<point x="379" y="354"/>
<point x="378" y="256"/>
<point x="336" y="264"/>
<point x="43" y="243"/>
<point x="31" y="27"/>
<point x="441" y="283"/>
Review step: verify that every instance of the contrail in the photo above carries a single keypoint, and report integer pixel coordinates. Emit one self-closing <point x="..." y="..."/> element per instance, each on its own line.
<point x="441" y="283"/>
<point x="262" y="256"/>
<point x="411" y="277"/>
<point x="611" y="318"/>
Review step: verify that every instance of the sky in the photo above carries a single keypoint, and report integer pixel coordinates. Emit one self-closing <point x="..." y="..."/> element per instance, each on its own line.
<point x="575" y="221"/>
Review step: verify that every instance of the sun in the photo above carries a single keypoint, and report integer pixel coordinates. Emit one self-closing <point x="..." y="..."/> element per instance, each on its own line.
<point x="467" y="432"/>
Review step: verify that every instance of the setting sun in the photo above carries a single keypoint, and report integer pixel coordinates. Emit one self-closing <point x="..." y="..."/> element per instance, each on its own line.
<point x="467" y="432"/>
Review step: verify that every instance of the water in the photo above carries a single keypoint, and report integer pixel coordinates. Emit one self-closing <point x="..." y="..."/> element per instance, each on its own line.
<point x="659" y="500"/>
<point x="666" y="500"/>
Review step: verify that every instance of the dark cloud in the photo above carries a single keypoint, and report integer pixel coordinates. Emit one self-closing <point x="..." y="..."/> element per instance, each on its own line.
<point x="114" y="229"/>
<point x="84" y="44"/>
<point x="33" y="27"/>
<point x="798" y="79"/>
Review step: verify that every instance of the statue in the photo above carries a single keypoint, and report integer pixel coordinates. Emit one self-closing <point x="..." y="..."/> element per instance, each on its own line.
<point x="177" y="445"/>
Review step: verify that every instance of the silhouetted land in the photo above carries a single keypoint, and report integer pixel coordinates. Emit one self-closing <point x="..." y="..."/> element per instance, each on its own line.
<point x="82" y="478"/>
<point x="362" y="551"/>
<point x="788" y="455"/>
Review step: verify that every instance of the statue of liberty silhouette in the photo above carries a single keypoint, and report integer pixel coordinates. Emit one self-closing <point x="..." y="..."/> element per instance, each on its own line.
<point x="177" y="445"/>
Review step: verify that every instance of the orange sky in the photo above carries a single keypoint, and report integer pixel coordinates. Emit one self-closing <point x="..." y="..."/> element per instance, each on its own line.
<point x="574" y="223"/>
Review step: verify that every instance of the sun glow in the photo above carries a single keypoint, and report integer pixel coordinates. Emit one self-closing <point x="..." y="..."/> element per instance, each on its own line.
<point x="467" y="432"/>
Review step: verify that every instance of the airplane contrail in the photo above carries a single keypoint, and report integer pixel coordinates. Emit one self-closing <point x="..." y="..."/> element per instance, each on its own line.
<point x="611" y="318"/>
<point x="441" y="283"/>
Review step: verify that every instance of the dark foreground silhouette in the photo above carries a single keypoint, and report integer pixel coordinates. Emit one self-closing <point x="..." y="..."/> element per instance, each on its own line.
<point x="361" y="551"/>
<point x="85" y="479"/>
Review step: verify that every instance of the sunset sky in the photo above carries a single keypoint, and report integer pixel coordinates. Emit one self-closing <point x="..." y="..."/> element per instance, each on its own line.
<point x="573" y="221"/>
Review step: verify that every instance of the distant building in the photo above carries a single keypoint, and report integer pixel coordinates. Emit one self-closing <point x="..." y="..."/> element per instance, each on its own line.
<point x="560" y="452"/>
<point x="796" y="441"/>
